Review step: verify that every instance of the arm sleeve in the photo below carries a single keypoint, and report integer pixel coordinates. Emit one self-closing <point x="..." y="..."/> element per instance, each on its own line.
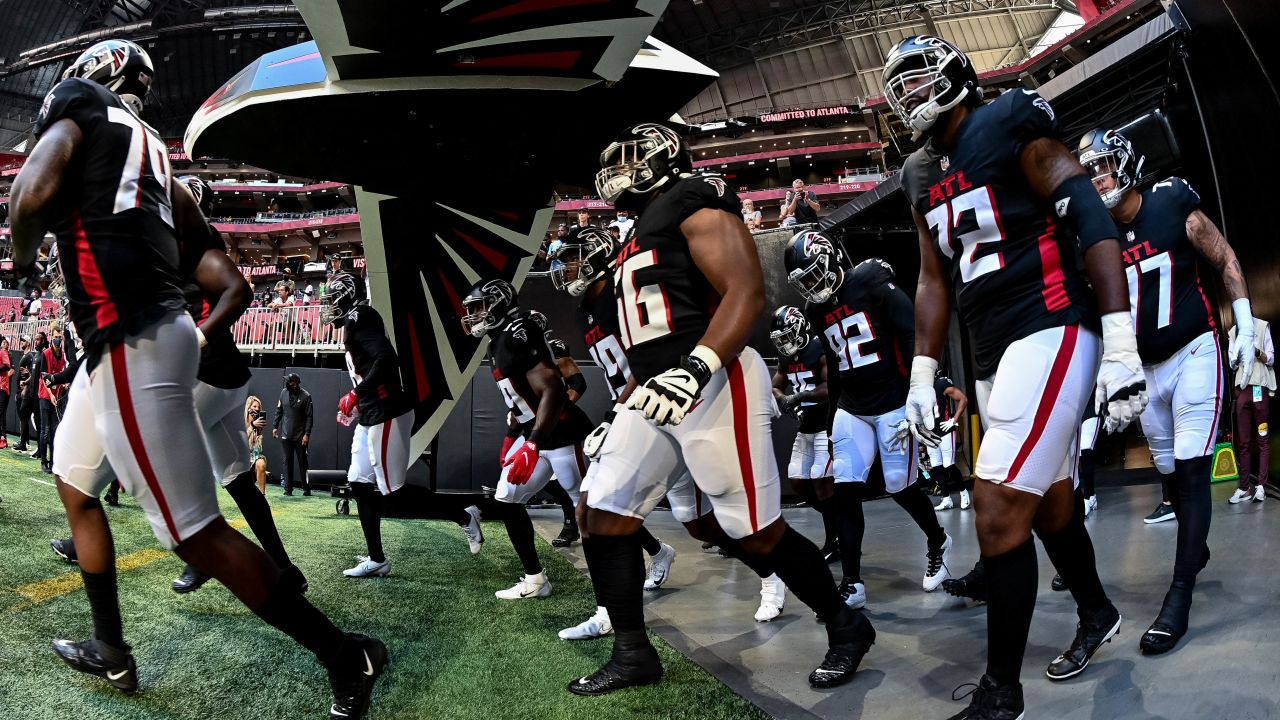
<point x="68" y="373"/>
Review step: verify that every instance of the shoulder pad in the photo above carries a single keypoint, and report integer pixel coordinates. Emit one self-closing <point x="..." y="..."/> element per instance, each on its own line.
<point x="872" y="272"/>
<point x="1182" y="192"/>
<point x="74" y="98"/>
<point x="705" y="190"/>
<point x="1027" y="116"/>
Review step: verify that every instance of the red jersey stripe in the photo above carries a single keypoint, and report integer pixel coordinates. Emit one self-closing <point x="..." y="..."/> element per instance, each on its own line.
<point x="742" y="438"/>
<point x="90" y="278"/>
<point x="1048" y="398"/>
<point x="129" y="419"/>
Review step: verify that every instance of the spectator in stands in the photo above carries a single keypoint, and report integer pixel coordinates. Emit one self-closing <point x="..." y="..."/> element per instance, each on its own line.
<point x="254" y="422"/>
<point x="584" y="219"/>
<point x="335" y="264"/>
<point x="801" y="204"/>
<point x="13" y="315"/>
<point x="31" y="308"/>
<point x="48" y="393"/>
<point x="6" y="372"/>
<point x="623" y="223"/>
<point x="309" y="294"/>
<point x="751" y="216"/>
<point x="284" y="296"/>
<point x="616" y="232"/>
<point x="293" y="428"/>
<point x="27" y="380"/>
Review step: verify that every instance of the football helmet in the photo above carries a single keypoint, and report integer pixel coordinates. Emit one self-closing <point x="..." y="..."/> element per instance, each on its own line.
<point x="487" y="305"/>
<point x="539" y="319"/>
<point x="581" y="258"/>
<point x="790" y="331"/>
<point x="924" y="77"/>
<point x="1108" y="154"/>
<point x="341" y="295"/>
<point x="815" y="265"/>
<point x="120" y="66"/>
<point x="644" y="158"/>
<point x="200" y="191"/>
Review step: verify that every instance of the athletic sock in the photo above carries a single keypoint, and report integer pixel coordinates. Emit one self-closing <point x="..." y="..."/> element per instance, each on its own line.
<point x="848" y="502"/>
<point x="257" y="514"/>
<point x="1071" y="552"/>
<point x="1085" y="470"/>
<point x="1194" y="497"/>
<point x="761" y="565"/>
<point x="588" y="550"/>
<point x="520" y="530"/>
<point x="104" y="603"/>
<point x="800" y="565"/>
<point x="651" y="544"/>
<point x="286" y="610"/>
<point x="1011" y="600"/>
<point x="830" y="522"/>
<point x="369" y="507"/>
<point x="917" y="504"/>
<point x="617" y="570"/>
<point x="561" y="498"/>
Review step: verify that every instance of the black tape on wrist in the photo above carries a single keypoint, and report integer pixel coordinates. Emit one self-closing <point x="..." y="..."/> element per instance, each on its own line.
<point x="1078" y="206"/>
<point x="697" y="368"/>
<point x="577" y="383"/>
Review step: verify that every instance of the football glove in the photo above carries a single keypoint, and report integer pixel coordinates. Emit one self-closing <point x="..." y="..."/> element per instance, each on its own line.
<point x="507" y="442"/>
<point x="595" y="441"/>
<point x="948" y="426"/>
<point x="1122" y="387"/>
<point x="900" y="440"/>
<point x="521" y="463"/>
<point x="667" y="397"/>
<point x="922" y="401"/>
<point x="349" y="404"/>
<point x="789" y="404"/>
<point x="1241" y="353"/>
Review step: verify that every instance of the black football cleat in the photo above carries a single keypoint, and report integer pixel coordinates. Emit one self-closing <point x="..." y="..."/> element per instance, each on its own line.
<point x="972" y="586"/>
<point x="293" y="576"/>
<point x="569" y="534"/>
<point x="627" y="668"/>
<point x="190" y="580"/>
<point x="65" y="549"/>
<point x="1170" y="625"/>
<point x="849" y="636"/>
<point x="830" y="553"/>
<point x="992" y="701"/>
<point x="1058" y="584"/>
<point x="352" y="684"/>
<point x="93" y="657"/>
<point x="1093" y="630"/>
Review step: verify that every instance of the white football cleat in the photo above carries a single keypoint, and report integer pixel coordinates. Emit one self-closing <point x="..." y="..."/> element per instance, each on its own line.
<point x="965" y="502"/>
<point x="946" y="504"/>
<point x="773" y="595"/>
<point x="1090" y="504"/>
<point x="597" y="625"/>
<point x="475" y="536"/>
<point x="660" y="567"/>
<point x="937" y="570"/>
<point x="369" y="568"/>
<point x="1240" y="496"/>
<point x="854" y="595"/>
<point x="530" y="586"/>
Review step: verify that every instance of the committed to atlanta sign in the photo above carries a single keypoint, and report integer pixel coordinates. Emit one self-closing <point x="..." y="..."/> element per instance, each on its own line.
<point x="805" y="114"/>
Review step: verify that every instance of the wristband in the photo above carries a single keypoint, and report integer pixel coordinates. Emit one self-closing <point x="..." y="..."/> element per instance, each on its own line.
<point x="702" y="363"/>
<point x="200" y="337"/>
<point x="577" y="383"/>
<point x="923" y="370"/>
<point x="1118" y="335"/>
<point x="1243" y="311"/>
<point x="1078" y="205"/>
<point x="613" y="412"/>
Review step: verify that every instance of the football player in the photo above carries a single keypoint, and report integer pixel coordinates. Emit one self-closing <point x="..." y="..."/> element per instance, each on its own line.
<point x="117" y="215"/>
<point x="1165" y="237"/>
<point x="868" y="325"/>
<point x="999" y="203"/>
<point x="689" y="290"/>
<point x="551" y="429"/>
<point x="380" y="410"/>
<point x="943" y="457"/>
<point x="802" y="369"/>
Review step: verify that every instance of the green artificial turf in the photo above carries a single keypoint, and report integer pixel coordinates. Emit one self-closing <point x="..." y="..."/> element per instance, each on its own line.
<point x="456" y="651"/>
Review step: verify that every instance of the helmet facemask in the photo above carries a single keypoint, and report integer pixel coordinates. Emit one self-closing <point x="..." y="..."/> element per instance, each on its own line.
<point x="918" y="89"/>
<point x="818" y="281"/>
<point x="575" y="266"/>
<point x="637" y="165"/>
<point x="479" y="320"/>
<point x="1111" y="163"/>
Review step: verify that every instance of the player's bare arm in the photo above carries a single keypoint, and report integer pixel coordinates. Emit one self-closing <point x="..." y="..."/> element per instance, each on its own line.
<point x="36" y="185"/>
<point x="723" y="250"/>
<point x="961" y="400"/>
<point x="779" y="382"/>
<point x="545" y="381"/>
<point x="218" y="277"/>
<point x="819" y="392"/>
<point x="1210" y="243"/>
<point x="933" y="296"/>
<point x="575" y="381"/>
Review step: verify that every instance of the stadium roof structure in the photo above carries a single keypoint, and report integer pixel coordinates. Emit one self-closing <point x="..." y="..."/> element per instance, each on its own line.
<point x="195" y="44"/>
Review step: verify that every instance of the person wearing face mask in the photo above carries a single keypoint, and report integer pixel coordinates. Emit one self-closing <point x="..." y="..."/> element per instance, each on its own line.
<point x="28" y="378"/>
<point x="623" y="223"/>
<point x="293" y="428"/>
<point x="48" y="395"/>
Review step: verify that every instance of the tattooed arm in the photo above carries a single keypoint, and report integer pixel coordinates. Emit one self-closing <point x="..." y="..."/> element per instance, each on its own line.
<point x="1213" y="247"/>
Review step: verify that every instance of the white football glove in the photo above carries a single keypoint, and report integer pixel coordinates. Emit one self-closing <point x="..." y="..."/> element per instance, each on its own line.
<point x="899" y="440"/>
<point x="595" y="441"/>
<point x="948" y="426"/>
<point x="1122" y="387"/>
<point x="922" y="401"/>
<point x="1241" y="353"/>
<point x="667" y="397"/>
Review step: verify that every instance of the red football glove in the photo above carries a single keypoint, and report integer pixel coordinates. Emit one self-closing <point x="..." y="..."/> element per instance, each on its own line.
<point x="507" y="442"/>
<point x="520" y="466"/>
<point x="348" y="404"/>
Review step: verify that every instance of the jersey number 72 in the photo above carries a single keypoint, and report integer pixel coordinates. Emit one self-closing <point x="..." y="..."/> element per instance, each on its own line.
<point x="945" y="218"/>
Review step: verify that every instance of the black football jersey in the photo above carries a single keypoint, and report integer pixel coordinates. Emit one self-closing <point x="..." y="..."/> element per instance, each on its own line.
<point x="804" y="370"/>
<point x="1169" y="305"/>
<point x="664" y="302"/>
<point x="599" y="322"/>
<point x="374" y="367"/>
<point x="1014" y="269"/>
<point x="518" y="348"/>
<point x="222" y="365"/>
<point x="112" y="217"/>
<point x="868" y="333"/>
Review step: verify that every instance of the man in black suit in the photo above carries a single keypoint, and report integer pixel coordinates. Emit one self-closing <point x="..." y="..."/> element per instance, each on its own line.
<point x="293" y="427"/>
